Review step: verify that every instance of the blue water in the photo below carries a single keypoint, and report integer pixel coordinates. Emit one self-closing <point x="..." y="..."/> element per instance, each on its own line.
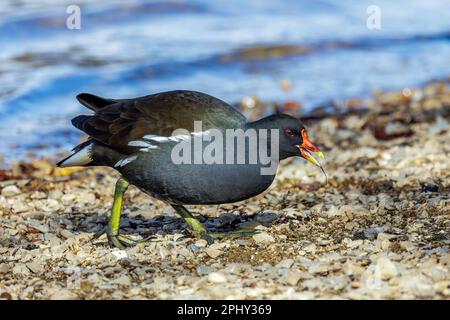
<point x="133" y="48"/>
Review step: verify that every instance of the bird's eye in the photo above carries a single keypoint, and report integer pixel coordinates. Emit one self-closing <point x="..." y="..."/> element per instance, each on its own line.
<point x="288" y="132"/>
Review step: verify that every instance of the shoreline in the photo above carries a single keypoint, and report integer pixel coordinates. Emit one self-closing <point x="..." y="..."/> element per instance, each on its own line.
<point x="251" y="106"/>
<point x="379" y="229"/>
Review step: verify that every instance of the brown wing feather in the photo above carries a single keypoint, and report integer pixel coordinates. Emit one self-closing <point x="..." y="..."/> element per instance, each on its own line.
<point x="119" y="123"/>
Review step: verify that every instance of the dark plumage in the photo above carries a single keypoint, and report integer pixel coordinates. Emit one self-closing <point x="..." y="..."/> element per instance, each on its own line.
<point x="117" y="122"/>
<point x="134" y="136"/>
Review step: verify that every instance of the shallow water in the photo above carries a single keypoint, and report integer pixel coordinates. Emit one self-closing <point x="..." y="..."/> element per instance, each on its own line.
<point x="229" y="49"/>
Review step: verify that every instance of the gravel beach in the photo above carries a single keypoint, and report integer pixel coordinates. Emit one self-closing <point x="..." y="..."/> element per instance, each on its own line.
<point x="379" y="229"/>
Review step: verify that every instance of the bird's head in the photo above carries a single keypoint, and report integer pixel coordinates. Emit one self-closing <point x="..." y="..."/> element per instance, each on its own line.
<point x="294" y="139"/>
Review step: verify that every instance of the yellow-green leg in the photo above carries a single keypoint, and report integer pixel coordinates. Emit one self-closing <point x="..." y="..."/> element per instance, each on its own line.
<point x="112" y="231"/>
<point x="199" y="229"/>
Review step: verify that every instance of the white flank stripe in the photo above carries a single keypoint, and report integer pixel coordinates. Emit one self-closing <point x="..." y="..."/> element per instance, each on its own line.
<point x="156" y="138"/>
<point x="176" y="138"/>
<point x="150" y="136"/>
<point x="125" y="161"/>
<point x="140" y="143"/>
<point x="180" y="138"/>
<point x="147" y="146"/>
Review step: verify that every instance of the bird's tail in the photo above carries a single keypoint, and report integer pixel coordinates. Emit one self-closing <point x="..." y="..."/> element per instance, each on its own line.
<point x="82" y="155"/>
<point x="92" y="153"/>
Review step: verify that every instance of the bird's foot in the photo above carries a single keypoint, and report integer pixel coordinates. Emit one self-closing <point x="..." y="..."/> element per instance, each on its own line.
<point x="202" y="234"/>
<point x="118" y="240"/>
<point x="123" y="241"/>
<point x="199" y="230"/>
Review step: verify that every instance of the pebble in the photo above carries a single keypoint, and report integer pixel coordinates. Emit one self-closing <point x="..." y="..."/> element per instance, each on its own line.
<point x="385" y="201"/>
<point x="213" y="253"/>
<point x="385" y="245"/>
<point x="441" y="125"/>
<point x="408" y="246"/>
<point x="385" y="236"/>
<point x="385" y="269"/>
<point x="38" y="195"/>
<point x="35" y="267"/>
<point x="286" y="263"/>
<point x="20" y="269"/>
<point x="337" y="282"/>
<point x="52" y="239"/>
<point x="64" y="294"/>
<point x="263" y="237"/>
<point x="201" y="243"/>
<point x="36" y="215"/>
<point x="192" y="247"/>
<point x="313" y="284"/>
<point x="369" y="233"/>
<point x="119" y="254"/>
<point x="40" y="227"/>
<point x="10" y="191"/>
<point x="318" y="268"/>
<point x="4" y="268"/>
<point x="122" y="281"/>
<point x="419" y="285"/>
<point x="216" y="277"/>
<point x="292" y="277"/>
<point x="66" y="234"/>
<point x="238" y="268"/>
<point x="68" y="199"/>
<point x="50" y="205"/>
<point x="204" y="270"/>
<point x="20" y="207"/>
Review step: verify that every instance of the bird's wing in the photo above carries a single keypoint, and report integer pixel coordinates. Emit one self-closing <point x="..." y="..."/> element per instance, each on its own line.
<point x="117" y="122"/>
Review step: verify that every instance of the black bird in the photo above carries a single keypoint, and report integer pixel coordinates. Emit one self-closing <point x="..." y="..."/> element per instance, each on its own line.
<point x="154" y="142"/>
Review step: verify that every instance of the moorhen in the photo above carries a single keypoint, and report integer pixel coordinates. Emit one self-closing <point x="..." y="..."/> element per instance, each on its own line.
<point x="157" y="143"/>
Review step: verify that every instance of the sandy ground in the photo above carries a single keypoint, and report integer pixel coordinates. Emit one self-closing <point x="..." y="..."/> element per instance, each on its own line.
<point x="379" y="229"/>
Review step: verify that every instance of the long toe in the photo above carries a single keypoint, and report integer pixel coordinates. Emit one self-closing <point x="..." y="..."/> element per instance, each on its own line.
<point x="99" y="233"/>
<point x="242" y="233"/>
<point x="123" y="241"/>
<point x="208" y="237"/>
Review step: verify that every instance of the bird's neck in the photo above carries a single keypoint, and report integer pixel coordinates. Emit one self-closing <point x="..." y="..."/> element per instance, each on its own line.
<point x="267" y="135"/>
<point x="264" y="123"/>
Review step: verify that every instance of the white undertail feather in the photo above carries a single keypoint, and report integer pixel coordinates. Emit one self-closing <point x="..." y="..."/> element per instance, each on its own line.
<point x="79" y="158"/>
